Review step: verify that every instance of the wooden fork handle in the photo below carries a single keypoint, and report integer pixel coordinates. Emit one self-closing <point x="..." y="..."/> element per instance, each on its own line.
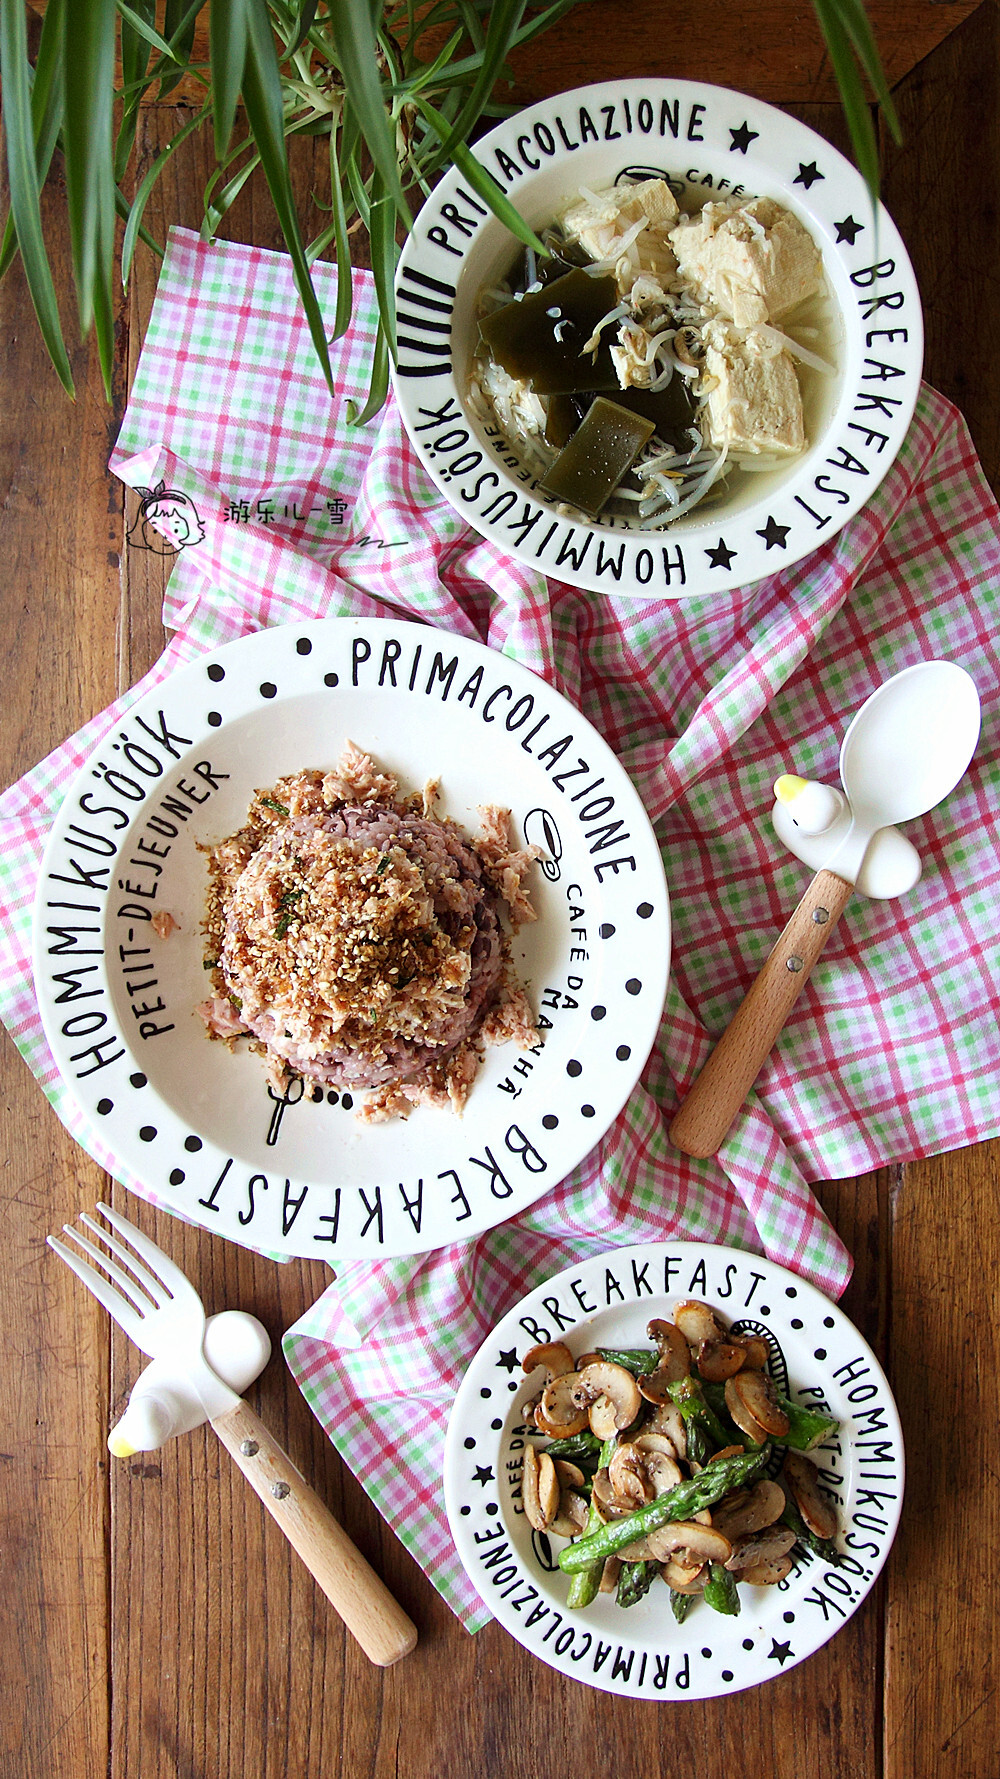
<point x="705" y="1116"/>
<point x="363" y="1601"/>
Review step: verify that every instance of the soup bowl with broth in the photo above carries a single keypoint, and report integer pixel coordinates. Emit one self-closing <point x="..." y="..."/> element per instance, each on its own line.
<point x="692" y="501"/>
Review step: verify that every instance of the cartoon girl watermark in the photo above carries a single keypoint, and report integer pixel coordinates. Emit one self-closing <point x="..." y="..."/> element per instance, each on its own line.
<point x="166" y="521"/>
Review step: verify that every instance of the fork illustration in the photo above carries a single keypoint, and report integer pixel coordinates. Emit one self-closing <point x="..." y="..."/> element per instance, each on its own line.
<point x="157" y="1306"/>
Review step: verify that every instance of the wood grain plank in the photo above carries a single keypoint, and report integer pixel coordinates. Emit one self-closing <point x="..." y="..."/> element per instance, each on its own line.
<point x="59" y="544"/>
<point x="769" y="49"/>
<point x="942" y="1659"/>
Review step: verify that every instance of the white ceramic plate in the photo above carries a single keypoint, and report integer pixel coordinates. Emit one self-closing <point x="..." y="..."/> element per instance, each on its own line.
<point x="717" y="143"/>
<point x="197" y="1124"/>
<point x="643" y="1653"/>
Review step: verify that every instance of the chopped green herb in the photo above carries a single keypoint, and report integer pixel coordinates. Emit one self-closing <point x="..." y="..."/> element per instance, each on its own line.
<point x="237" y="1003"/>
<point x="283" y="924"/>
<point x="269" y="803"/>
<point x="383" y="865"/>
<point x="210" y="963"/>
<point x="290" y="896"/>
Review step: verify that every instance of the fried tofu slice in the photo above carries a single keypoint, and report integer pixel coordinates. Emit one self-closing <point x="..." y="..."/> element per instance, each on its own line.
<point x="754" y="401"/>
<point x="754" y="263"/>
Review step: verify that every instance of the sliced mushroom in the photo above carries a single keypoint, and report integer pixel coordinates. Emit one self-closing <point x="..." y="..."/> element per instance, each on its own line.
<point x="799" y="1477"/>
<point x="666" y="1419"/>
<point x="698" y="1322"/>
<point x="727" y="1451"/>
<point x="682" y="1578"/>
<point x="616" y="1385"/>
<point x="553" y="1355"/>
<point x="755" y="1550"/>
<point x="757" y="1396"/>
<point x="588" y="1359"/>
<point x="720" y="1359"/>
<point x="628" y="1476"/>
<point x="540" y="1489"/>
<point x="690" y="1543"/>
<point x="571" y="1518"/>
<point x="608" y="1504"/>
<point x="674" y="1361"/>
<point x="664" y="1472"/>
<point x="768" y="1574"/>
<point x="609" y="1575"/>
<point x="559" y="1413"/>
<point x="637" y="1552"/>
<point x="757" y="1352"/>
<point x="750" y="1510"/>
<point x="573" y="1514"/>
<point x="570" y="1475"/>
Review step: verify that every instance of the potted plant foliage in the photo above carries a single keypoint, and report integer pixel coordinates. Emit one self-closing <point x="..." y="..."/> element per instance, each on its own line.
<point x="397" y="90"/>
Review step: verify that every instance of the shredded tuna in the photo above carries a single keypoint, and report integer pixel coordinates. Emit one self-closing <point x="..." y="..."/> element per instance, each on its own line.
<point x="355" y="937"/>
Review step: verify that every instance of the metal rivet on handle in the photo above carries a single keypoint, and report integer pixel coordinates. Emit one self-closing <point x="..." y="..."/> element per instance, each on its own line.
<point x="280" y="1489"/>
<point x="821" y="916"/>
<point x="793" y="963"/>
<point x="249" y="1448"/>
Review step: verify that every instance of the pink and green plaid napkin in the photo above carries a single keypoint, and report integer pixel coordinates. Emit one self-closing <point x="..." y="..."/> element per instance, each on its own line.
<point x="891" y="1052"/>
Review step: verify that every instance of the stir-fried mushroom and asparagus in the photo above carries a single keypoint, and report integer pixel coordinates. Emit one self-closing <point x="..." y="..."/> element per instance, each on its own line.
<point x="657" y="1466"/>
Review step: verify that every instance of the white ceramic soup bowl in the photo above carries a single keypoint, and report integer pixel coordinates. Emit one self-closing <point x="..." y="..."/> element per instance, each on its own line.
<point x="719" y="144"/>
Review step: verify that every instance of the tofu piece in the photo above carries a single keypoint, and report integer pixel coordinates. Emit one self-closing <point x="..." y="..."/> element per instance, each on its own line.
<point x="754" y="405"/>
<point x="599" y="227"/>
<point x="754" y="263"/>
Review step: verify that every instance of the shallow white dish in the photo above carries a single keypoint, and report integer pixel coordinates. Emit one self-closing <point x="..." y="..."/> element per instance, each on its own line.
<point x="643" y="1653"/>
<point x="197" y="1124"/>
<point x="719" y="143"/>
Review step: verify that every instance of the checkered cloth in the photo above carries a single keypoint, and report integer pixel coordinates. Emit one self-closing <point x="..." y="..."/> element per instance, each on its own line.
<point x="890" y="1054"/>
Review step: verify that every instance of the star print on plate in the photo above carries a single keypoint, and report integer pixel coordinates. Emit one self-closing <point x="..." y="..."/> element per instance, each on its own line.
<point x="722" y="556"/>
<point x="849" y="230"/>
<point x="774" y="534"/>
<point x="483" y="1475"/>
<point x="509" y="1361"/>
<point x="779" y="1652"/>
<point x="807" y="174"/>
<point x="742" y="138"/>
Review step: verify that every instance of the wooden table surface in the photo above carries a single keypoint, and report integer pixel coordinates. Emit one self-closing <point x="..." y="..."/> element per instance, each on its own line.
<point x="153" y="1621"/>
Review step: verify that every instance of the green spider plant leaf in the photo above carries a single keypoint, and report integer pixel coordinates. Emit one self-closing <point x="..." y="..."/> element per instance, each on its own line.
<point x="46" y="113"/>
<point x="345" y="292"/>
<point x="385" y="254"/>
<point x="227" y="35"/>
<point x="379" y="386"/>
<point x="856" y="23"/>
<point x="853" y="97"/>
<point x="22" y="172"/>
<point x="89" y="69"/>
<point x="482" y="182"/>
<point x="179" y="21"/>
<point x="505" y="18"/>
<point x="262" y="96"/>
<point x="352" y="23"/>
<point x="137" y="36"/>
<point x="133" y="225"/>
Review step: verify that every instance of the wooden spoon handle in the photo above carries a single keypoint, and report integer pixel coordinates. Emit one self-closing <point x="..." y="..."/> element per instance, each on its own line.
<point x="706" y="1114"/>
<point x="351" y="1586"/>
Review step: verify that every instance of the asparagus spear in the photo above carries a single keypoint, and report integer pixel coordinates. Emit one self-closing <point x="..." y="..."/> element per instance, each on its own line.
<point x="635" y="1580"/>
<point x="637" y="1360"/>
<point x="584" y="1587"/>
<point x="681" y="1604"/>
<point x="576" y="1445"/>
<point x="721" y="1591"/>
<point x="690" y="1397"/>
<point x="807" y="1427"/>
<point x="824" y="1547"/>
<point x="681" y="1502"/>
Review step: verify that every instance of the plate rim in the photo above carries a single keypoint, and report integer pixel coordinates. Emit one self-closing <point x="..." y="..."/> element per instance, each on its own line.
<point x="461" y="1427"/>
<point x="413" y="378"/>
<point x="192" y="677"/>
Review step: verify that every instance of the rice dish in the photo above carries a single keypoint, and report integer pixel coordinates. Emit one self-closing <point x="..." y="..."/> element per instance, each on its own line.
<point x="355" y="938"/>
<point x="704" y="335"/>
